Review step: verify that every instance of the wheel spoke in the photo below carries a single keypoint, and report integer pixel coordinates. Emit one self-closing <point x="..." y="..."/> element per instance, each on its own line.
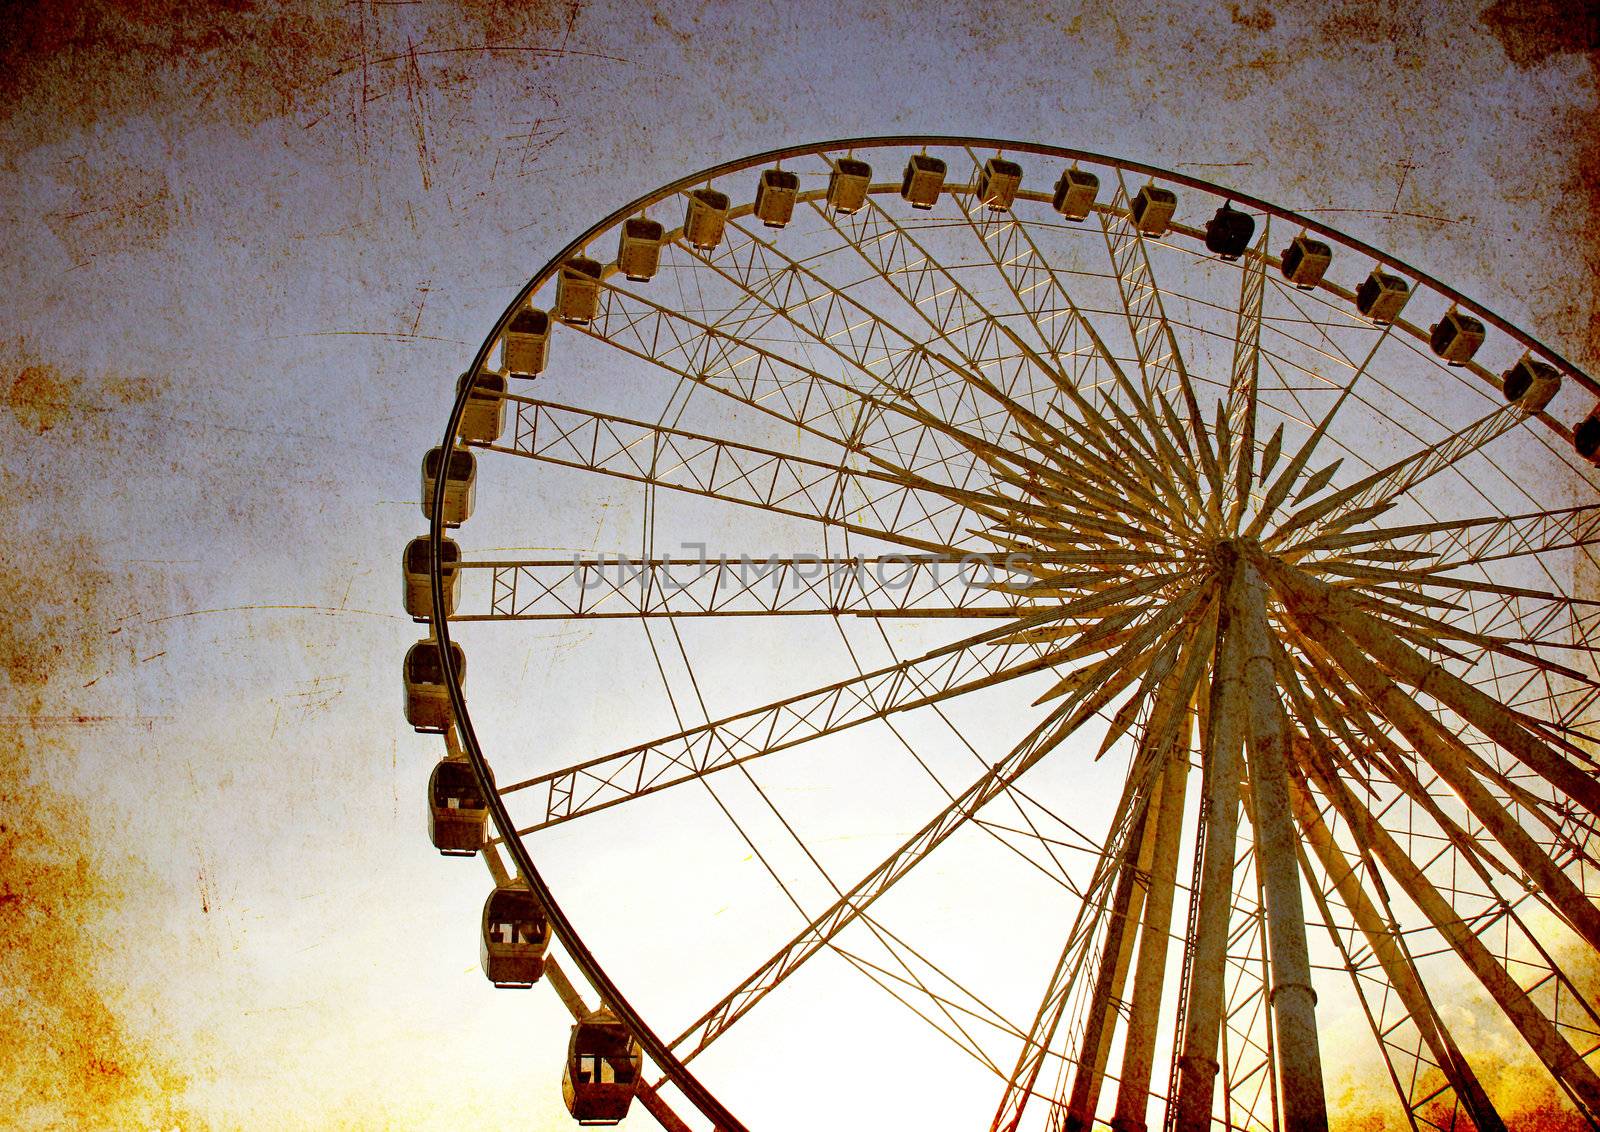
<point x="947" y="309"/>
<point x="898" y="371"/>
<point x="909" y="513"/>
<point x="1089" y="694"/>
<point x="1244" y="382"/>
<point x="1377" y="492"/>
<point x="1133" y="857"/>
<point x="645" y="768"/>
<point x="1476" y="707"/>
<point x="1415" y="1024"/>
<point x="618" y="586"/>
<point x="1541" y="1035"/>
<point x="1016" y="257"/>
<point x="1155" y="343"/>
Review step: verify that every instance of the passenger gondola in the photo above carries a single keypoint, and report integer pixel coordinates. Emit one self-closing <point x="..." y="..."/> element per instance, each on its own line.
<point x="705" y="218"/>
<point x="848" y="185"/>
<point x="427" y="698"/>
<point x="484" y="418"/>
<point x="514" y="938"/>
<point x="1382" y="296"/>
<point x="1152" y="210"/>
<point x="775" y="196"/>
<point x="1305" y="261"/>
<point x="923" y="181"/>
<point x="998" y="184"/>
<point x="525" y="348"/>
<point x="1456" y="337"/>
<point x="1530" y="385"/>
<point x="603" y="1066"/>
<point x="414" y="565"/>
<point x="457" y="811"/>
<point x="639" y="249"/>
<point x="1586" y="436"/>
<point x="1076" y="190"/>
<point x="578" y="291"/>
<point x="1228" y="232"/>
<point x="460" y="484"/>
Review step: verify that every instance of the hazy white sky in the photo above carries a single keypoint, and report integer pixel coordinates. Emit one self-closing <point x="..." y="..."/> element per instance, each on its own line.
<point x="246" y="254"/>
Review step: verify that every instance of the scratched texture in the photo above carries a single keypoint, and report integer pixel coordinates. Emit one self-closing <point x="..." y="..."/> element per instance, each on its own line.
<point x="246" y="244"/>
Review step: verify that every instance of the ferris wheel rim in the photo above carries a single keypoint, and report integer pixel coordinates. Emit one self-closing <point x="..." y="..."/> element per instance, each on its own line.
<point x="1066" y="153"/>
<point x="660" y="1052"/>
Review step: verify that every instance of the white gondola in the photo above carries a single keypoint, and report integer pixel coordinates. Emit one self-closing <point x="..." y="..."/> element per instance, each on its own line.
<point x="775" y="197"/>
<point x="484" y="417"/>
<point x="427" y="699"/>
<point x="460" y="484"/>
<point x="1586" y="436"/>
<point x="1530" y="385"/>
<point x="418" y="587"/>
<point x="848" y="185"/>
<point x="603" y="1067"/>
<point x="457" y="812"/>
<point x="526" y="346"/>
<point x="578" y="291"/>
<point x="1152" y="210"/>
<point x="1456" y="337"/>
<point x="998" y="183"/>
<point x="1305" y="261"/>
<point x="1076" y="190"/>
<point x="1382" y="296"/>
<point x="514" y="938"/>
<point x="706" y="217"/>
<point x="923" y="181"/>
<point x="639" y="249"/>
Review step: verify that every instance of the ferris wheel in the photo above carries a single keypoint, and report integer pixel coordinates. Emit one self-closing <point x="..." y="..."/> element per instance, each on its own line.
<point x="1009" y="637"/>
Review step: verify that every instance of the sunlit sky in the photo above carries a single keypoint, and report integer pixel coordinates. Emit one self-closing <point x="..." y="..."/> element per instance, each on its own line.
<point x="246" y="255"/>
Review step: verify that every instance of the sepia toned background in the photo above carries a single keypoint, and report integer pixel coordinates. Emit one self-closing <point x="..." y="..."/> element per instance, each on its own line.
<point x="246" y="249"/>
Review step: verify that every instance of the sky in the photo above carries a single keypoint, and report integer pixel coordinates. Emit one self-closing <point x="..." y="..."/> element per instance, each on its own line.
<point x="248" y="247"/>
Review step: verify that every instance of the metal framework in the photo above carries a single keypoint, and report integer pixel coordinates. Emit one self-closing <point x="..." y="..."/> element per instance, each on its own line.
<point x="1312" y="604"/>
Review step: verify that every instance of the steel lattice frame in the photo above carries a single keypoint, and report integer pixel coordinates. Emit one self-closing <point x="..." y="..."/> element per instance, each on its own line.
<point x="1315" y="586"/>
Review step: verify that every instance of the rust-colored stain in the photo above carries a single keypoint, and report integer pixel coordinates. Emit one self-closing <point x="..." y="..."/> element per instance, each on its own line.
<point x="68" y="1060"/>
<point x="39" y="398"/>
<point x="1535" y="33"/>
<point x="66" y="604"/>
<point x="242" y="62"/>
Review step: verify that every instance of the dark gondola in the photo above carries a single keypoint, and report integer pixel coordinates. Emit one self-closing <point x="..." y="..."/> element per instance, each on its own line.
<point x="1228" y="232"/>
